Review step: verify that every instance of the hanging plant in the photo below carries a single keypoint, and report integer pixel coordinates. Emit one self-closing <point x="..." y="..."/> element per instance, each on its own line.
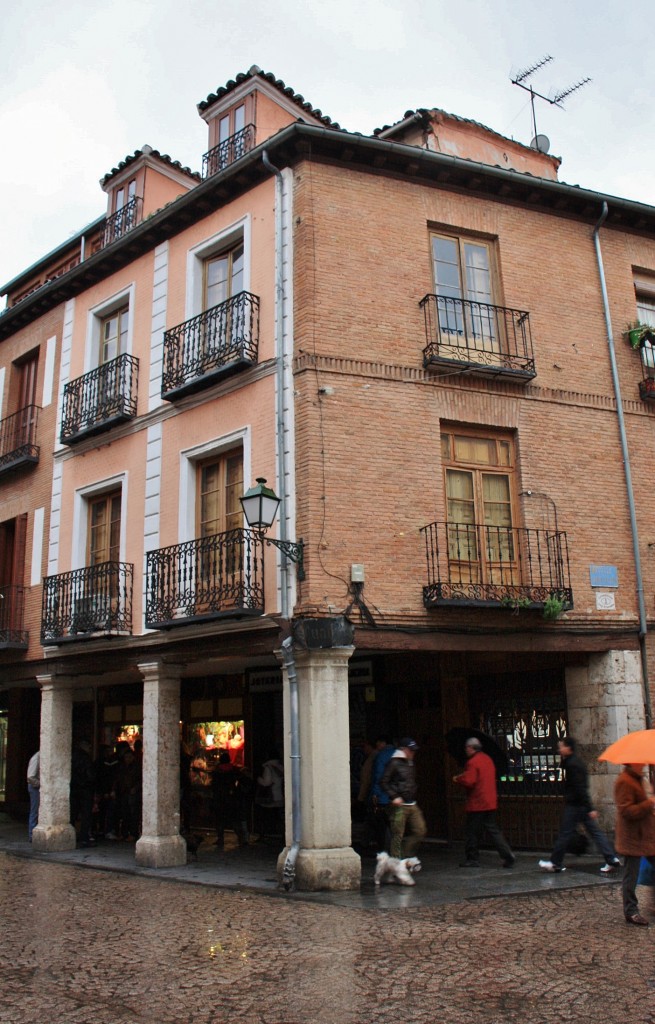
<point x="553" y="607"/>
<point x="636" y="332"/>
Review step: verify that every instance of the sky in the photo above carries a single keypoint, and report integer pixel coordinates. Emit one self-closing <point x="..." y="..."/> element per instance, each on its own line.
<point x="83" y="84"/>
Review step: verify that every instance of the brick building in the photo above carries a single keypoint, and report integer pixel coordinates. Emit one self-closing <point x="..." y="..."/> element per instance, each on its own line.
<point x="417" y="338"/>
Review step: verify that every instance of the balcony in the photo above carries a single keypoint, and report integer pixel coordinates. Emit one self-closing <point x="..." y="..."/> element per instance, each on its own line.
<point x="220" y="576"/>
<point x="226" y="152"/>
<point x="485" y="340"/>
<point x="495" y="566"/>
<point x="12" y="606"/>
<point x="99" y="400"/>
<point x="18" y="439"/>
<point x="86" y="603"/>
<point x="123" y="220"/>
<point x="213" y="345"/>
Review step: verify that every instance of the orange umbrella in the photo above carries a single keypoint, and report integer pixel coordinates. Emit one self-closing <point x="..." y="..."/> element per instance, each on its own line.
<point x="634" y="748"/>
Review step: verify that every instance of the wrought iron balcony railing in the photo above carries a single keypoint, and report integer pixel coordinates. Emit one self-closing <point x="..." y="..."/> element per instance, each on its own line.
<point x="12" y="607"/>
<point x="477" y="337"/>
<point x="123" y="220"/>
<point x="215" y="577"/>
<point x="486" y="566"/>
<point x="91" y="602"/>
<point x="214" y="344"/>
<point x="18" y="445"/>
<point x="226" y="152"/>
<point x="98" y="400"/>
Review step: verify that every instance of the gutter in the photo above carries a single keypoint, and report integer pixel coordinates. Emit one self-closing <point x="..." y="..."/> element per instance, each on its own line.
<point x="279" y="374"/>
<point x="643" y="622"/>
<point x="289" y="870"/>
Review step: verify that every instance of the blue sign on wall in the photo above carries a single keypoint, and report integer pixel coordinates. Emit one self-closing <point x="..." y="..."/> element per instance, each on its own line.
<point x="604" y="575"/>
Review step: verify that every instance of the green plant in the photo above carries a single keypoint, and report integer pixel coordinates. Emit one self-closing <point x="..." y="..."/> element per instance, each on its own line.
<point x="635" y="332"/>
<point x="515" y="603"/>
<point x="553" y="607"/>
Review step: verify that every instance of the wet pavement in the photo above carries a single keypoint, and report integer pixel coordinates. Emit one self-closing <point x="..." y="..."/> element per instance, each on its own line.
<point x="216" y="942"/>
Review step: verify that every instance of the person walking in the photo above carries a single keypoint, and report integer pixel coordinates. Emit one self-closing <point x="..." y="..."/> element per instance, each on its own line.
<point x="34" y="791"/>
<point x="635" y="834"/>
<point x="479" y="781"/>
<point x="405" y="816"/>
<point x="578" y="811"/>
<point x="378" y="804"/>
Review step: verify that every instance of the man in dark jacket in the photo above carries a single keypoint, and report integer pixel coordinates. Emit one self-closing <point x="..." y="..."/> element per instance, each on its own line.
<point x="577" y="811"/>
<point x="405" y="816"/>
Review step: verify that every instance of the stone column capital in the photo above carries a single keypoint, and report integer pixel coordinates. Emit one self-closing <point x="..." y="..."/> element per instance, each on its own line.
<point x="158" y="670"/>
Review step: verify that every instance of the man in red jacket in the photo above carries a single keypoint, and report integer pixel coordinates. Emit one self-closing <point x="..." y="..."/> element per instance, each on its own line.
<point x="479" y="781"/>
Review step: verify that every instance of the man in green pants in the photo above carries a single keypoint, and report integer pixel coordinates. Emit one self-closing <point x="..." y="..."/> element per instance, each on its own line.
<point x="405" y="816"/>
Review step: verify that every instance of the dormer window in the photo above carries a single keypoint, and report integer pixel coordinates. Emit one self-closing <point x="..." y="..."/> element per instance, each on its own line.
<point x="124" y="196"/>
<point x="231" y="137"/>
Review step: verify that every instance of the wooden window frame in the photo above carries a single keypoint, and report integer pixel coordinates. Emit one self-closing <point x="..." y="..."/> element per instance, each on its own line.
<point x="221" y="459"/>
<point x="122" y="316"/>
<point x="107" y="498"/>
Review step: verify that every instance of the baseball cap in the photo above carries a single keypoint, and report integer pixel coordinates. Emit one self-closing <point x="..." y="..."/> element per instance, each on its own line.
<point x="409" y="743"/>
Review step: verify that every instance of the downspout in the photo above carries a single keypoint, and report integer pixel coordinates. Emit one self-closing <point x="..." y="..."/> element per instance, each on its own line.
<point x="643" y="624"/>
<point x="289" y="870"/>
<point x="279" y="373"/>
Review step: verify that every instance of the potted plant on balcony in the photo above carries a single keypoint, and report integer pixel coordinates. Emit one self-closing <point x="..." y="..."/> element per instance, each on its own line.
<point x="553" y="607"/>
<point x="637" y="332"/>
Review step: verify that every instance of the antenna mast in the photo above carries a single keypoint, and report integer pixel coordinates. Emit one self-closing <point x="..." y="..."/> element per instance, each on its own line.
<point x="522" y="76"/>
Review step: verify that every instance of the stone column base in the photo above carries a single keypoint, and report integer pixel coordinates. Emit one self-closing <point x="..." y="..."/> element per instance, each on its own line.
<point x="332" y="869"/>
<point x="160" y="851"/>
<point x="53" y="838"/>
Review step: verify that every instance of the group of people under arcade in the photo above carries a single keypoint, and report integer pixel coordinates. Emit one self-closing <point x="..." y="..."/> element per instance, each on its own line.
<point x="384" y="782"/>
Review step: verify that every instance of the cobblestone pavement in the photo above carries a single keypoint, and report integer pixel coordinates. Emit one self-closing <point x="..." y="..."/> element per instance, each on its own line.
<point x="100" y="947"/>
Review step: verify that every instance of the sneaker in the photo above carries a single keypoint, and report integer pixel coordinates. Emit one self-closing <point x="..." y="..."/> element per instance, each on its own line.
<point x="609" y="869"/>
<point x="547" y="865"/>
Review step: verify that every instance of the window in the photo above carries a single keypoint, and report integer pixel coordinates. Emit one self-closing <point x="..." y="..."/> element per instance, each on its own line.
<point x="25" y="422"/>
<point x="479" y="487"/>
<point x="646" y="315"/>
<point x="104" y="529"/>
<point x="231" y="123"/>
<point x="223" y="276"/>
<point x="113" y="335"/>
<point x="220" y="483"/>
<point x="120" y="195"/>
<point x="463" y="284"/>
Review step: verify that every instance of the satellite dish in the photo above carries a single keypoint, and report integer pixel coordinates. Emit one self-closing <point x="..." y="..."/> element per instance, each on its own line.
<point x="541" y="143"/>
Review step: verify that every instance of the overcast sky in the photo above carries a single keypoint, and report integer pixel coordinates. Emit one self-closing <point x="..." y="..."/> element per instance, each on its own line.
<point x="82" y="84"/>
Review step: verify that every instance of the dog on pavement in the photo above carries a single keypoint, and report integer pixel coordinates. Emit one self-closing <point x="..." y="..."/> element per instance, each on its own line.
<point x="392" y="869"/>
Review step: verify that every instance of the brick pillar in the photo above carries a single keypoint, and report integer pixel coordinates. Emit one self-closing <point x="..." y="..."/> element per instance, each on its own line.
<point x="54" y="830"/>
<point x="160" y="845"/>
<point x="326" y="859"/>
<point x="605" y="700"/>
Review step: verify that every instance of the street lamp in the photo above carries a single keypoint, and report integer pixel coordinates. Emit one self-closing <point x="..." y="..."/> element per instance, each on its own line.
<point x="260" y="504"/>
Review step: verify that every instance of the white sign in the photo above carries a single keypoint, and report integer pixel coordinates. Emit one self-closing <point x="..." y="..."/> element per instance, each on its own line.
<point x="605" y="602"/>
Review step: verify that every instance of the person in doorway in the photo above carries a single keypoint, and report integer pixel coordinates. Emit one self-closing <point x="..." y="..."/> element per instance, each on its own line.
<point x="378" y="805"/>
<point x="479" y="781"/>
<point x="578" y="811"/>
<point x="269" y="796"/>
<point x="82" y="789"/>
<point x="635" y="834"/>
<point x="231" y="791"/>
<point x="34" y="791"/>
<point x="406" y="819"/>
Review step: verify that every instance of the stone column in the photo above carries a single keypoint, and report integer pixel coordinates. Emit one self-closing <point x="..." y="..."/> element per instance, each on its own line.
<point x="54" y="830"/>
<point x="605" y="700"/>
<point x="160" y="845"/>
<point x="326" y="859"/>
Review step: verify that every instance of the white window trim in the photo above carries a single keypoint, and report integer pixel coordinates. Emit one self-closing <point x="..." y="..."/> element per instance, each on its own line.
<point x="241" y="230"/>
<point x="81" y="519"/>
<point x="95" y="317"/>
<point x="189" y="459"/>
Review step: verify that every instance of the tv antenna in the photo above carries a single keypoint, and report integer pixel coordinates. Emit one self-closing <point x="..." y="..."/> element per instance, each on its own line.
<point x="541" y="142"/>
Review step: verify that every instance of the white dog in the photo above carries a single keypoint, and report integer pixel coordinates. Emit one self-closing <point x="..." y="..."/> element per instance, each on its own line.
<point x="391" y="869"/>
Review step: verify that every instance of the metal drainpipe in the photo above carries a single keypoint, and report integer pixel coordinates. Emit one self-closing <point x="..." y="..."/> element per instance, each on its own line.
<point x="289" y="870"/>
<point x="643" y="623"/>
<point x="279" y="334"/>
